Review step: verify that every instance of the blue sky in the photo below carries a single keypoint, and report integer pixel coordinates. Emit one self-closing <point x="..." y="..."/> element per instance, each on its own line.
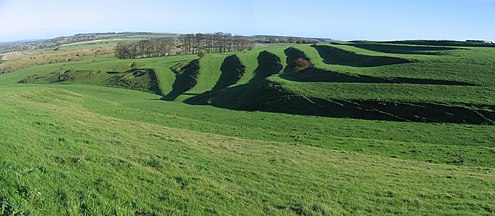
<point x="344" y="20"/>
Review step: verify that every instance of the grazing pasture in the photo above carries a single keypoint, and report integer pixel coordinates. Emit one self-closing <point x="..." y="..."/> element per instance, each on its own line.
<point x="288" y="129"/>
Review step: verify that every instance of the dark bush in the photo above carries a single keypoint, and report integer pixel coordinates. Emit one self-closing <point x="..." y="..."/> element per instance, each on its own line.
<point x="134" y="65"/>
<point x="301" y="64"/>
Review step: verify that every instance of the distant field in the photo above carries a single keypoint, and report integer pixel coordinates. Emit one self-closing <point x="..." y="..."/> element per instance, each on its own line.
<point x="78" y="38"/>
<point x="102" y="42"/>
<point x="348" y="128"/>
<point x="18" y="60"/>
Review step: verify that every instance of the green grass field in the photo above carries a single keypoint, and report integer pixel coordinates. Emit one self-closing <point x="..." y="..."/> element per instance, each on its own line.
<point x="335" y="138"/>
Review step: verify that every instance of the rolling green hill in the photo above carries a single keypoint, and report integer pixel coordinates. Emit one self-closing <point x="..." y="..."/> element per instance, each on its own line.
<point x="363" y="128"/>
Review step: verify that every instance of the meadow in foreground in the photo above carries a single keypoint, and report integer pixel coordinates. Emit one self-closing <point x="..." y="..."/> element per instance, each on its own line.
<point x="90" y="145"/>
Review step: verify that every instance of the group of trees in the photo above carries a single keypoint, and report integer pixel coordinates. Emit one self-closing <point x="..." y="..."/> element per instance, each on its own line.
<point x="155" y="47"/>
<point x="212" y="43"/>
<point x="183" y="45"/>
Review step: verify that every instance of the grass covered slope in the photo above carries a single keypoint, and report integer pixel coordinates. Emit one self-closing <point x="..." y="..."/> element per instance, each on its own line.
<point x="77" y="140"/>
<point x="321" y="79"/>
<point x="235" y="81"/>
<point x="123" y="166"/>
<point x="137" y="79"/>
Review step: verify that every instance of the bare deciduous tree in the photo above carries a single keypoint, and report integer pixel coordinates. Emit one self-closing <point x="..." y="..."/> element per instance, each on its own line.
<point x="184" y="45"/>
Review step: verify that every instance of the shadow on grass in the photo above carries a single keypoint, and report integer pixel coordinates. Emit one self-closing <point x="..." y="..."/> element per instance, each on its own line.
<point x="402" y="49"/>
<point x="143" y="79"/>
<point x="232" y="97"/>
<point x="336" y="56"/>
<point x="186" y="79"/>
<point x="232" y="71"/>
<point x="313" y="74"/>
<point x="268" y="65"/>
<point x="260" y="94"/>
<point x="268" y="96"/>
<point x="284" y="102"/>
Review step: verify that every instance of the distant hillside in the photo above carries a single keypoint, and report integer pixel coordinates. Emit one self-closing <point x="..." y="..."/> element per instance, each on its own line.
<point x="51" y="43"/>
<point x="87" y="37"/>
<point x="469" y="43"/>
<point x="271" y="38"/>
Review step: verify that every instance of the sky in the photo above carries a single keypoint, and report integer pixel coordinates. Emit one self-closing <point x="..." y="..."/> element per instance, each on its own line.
<point x="341" y="20"/>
